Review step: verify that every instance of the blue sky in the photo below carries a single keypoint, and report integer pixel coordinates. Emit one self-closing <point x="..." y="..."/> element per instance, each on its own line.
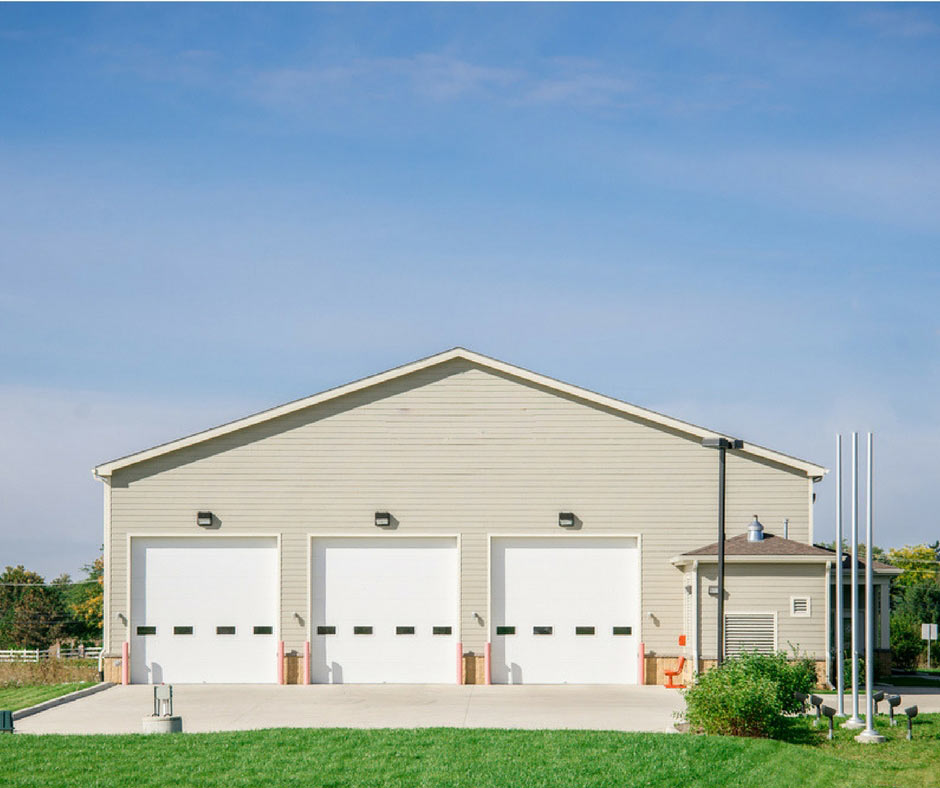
<point x="730" y="213"/>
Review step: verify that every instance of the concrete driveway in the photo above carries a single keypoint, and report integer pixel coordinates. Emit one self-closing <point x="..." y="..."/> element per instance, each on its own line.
<point x="231" y="707"/>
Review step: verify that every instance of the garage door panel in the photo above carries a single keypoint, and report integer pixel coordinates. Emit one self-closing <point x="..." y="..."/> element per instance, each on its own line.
<point x="192" y="592"/>
<point x="385" y="584"/>
<point x="564" y="583"/>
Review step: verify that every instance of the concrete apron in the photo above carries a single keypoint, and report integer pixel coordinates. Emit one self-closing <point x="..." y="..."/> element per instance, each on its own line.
<point x="232" y="707"/>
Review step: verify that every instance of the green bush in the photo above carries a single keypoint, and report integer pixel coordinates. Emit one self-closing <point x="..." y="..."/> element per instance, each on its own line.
<point x="748" y="695"/>
<point x="906" y="645"/>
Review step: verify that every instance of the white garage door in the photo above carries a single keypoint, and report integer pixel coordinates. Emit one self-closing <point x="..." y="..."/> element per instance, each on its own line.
<point x="565" y="610"/>
<point x="203" y="609"/>
<point x="384" y="610"/>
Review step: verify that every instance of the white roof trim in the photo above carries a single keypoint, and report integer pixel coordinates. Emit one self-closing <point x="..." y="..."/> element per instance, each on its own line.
<point x="106" y="469"/>
<point x="681" y="560"/>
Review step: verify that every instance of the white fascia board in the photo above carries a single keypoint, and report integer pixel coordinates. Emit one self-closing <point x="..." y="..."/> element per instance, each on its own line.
<point x="106" y="469"/>
<point x="679" y="560"/>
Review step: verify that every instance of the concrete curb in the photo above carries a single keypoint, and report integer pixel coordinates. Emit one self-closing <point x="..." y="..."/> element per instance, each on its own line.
<point x="53" y="702"/>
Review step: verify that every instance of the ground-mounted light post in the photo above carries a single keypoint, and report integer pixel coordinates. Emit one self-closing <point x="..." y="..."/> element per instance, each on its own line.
<point x="869" y="735"/>
<point x="722" y="444"/>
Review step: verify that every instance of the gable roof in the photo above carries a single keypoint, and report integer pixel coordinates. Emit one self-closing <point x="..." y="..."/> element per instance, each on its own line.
<point x="773" y="548"/>
<point x="107" y="468"/>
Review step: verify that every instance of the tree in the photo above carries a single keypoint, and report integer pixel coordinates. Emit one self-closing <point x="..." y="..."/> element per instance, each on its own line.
<point x="39" y="619"/>
<point x="919" y="602"/>
<point x="919" y="563"/>
<point x="87" y="604"/>
<point x="15" y="582"/>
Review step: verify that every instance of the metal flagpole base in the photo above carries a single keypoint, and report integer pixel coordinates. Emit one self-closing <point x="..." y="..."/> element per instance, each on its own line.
<point x="853" y="724"/>
<point x="870" y="736"/>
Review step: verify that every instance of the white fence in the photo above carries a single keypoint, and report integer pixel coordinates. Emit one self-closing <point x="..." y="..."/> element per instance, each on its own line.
<point x="34" y="655"/>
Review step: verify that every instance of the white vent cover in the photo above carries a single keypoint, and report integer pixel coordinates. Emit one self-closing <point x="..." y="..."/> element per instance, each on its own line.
<point x="800" y="606"/>
<point x="750" y="632"/>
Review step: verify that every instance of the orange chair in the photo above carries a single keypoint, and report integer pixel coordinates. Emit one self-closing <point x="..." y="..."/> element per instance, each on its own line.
<point x="671" y="674"/>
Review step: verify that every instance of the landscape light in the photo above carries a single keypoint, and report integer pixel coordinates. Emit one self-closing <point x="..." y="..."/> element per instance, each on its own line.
<point x="911" y="712"/>
<point x="817" y="702"/>
<point x="893" y="702"/>
<point x="830" y="713"/>
<point x="802" y="697"/>
<point x="876" y="698"/>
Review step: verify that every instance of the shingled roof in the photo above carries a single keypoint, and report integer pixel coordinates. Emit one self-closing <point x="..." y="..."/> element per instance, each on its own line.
<point x="776" y="546"/>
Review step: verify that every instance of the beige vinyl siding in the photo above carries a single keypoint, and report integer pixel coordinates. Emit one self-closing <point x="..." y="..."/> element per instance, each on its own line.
<point x="763" y="588"/>
<point x="455" y="449"/>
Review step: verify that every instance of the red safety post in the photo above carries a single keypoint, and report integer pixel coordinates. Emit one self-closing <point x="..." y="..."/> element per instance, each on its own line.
<point x="125" y="663"/>
<point x="460" y="663"/>
<point x="306" y="662"/>
<point x="488" y="676"/>
<point x="641" y="668"/>
<point x="280" y="662"/>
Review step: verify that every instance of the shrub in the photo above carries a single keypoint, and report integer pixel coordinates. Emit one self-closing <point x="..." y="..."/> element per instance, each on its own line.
<point x="789" y="675"/>
<point x="906" y="645"/>
<point x="733" y="700"/>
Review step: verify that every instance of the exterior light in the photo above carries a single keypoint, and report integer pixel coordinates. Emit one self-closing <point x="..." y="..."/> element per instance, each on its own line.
<point x="893" y="702"/>
<point x="876" y="698"/>
<point x="911" y="712"/>
<point x="829" y="713"/>
<point x="204" y="519"/>
<point x="817" y="702"/>
<point x="802" y="697"/>
<point x="722" y="445"/>
<point x="383" y="519"/>
<point x="566" y="519"/>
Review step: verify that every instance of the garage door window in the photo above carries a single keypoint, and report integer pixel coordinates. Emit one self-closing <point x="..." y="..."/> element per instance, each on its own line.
<point x="326" y="630"/>
<point x="623" y="630"/>
<point x="584" y="630"/>
<point x="541" y="630"/>
<point x="362" y="630"/>
<point x="441" y="630"/>
<point x="404" y="630"/>
<point x="182" y="630"/>
<point x="146" y="630"/>
<point x="263" y="630"/>
<point x="505" y="630"/>
<point x="225" y="630"/>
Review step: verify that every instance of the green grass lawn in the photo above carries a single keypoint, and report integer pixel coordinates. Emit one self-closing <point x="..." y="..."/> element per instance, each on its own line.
<point x="472" y="759"/>
<point x="14" y="698"/>
<point x="914" y="681"/>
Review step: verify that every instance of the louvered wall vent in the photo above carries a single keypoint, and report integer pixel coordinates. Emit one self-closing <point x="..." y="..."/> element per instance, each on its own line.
<point x="799" y="606"/>
<point x="750" y="632"/>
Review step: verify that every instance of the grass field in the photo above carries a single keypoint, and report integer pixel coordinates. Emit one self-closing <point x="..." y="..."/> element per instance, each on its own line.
<point x="15" y="698"/>
<point x="914" y="681"/>
<point x="329" y="758"/>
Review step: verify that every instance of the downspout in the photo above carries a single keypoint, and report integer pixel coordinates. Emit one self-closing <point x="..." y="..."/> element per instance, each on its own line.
<point x="828" y="625"/>
<point x="695" y="619"/>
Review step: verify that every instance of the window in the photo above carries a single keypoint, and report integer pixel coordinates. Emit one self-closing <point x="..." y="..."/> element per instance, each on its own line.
<point x="541" y="630"/>
<point x="623" y="630"/>
<point x="505" y="630"/>
<point x="263" y="630"/>
<point x="404" y="630"/>
<point x="182" y="630"/>
<point x="441" y="630"/>
<point x="326" y="630"/>
<point x="800" y="606"/>
<point x="146" y="630"/>
<point x="225" y="630"/>
<point x="584" y="630"/>
<point x="362" y="630"/>
<point x="750" y="632"/>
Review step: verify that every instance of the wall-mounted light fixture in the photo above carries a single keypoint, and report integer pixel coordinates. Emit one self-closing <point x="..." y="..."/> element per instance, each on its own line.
<point x="383" y="519"/>
<point x="566" y="519"/>
<point x="204" y="519"/>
